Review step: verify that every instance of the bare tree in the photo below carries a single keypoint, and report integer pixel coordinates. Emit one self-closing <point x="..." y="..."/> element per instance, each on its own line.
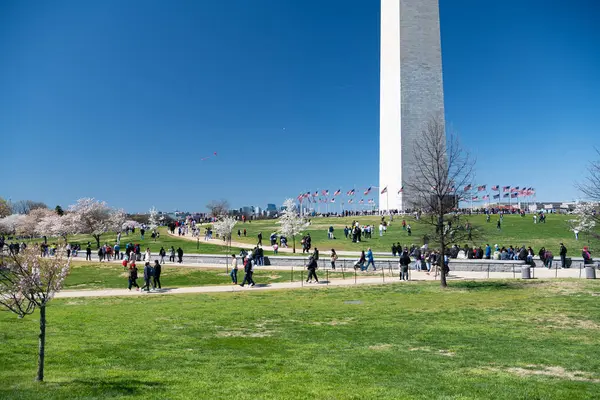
<point x="591" y="186"/>
<point x="218" y="208"/>
<point x="443" y="168"/>
<point x="26" y="206"/>
<point x="28" y="282"/>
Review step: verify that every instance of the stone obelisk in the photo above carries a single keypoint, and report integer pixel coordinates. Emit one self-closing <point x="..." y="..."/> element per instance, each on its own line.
<point x="411" y="92"/>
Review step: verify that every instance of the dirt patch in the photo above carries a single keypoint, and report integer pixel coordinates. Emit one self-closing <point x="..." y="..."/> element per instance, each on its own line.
<point x="442" y="352"/>
<point x="242" y="333"/>
<point x="553" y="371"/>
<point x="380" y="347"/>
<point x="561" y="321"/>
<point x="566" y="288"/>
<point x="333" y="322"/>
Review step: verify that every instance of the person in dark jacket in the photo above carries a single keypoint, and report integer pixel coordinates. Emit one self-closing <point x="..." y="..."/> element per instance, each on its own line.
<point x="133" y="275"/>
<point x="311" y="266"/>
<point x="179" y="255"/>
<point x="404" y="263"/>
<point x="563" y="256"/>
<point x="148" y="272"/>
<point x="248" y="271"/>
<point x="259" y="239"/>
<point x="156" y="275"/>
<point x="88" y="253"/>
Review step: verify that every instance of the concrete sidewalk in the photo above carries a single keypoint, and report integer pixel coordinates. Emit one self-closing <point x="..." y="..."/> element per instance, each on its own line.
<point x="416" y="276"/>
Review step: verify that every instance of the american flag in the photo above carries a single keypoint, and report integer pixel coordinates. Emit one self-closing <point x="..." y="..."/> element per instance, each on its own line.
<point x="481" y="188"/>
<point x="362" y="201"/>
<point x="371" y="201"/>
<point x="513" y="195"/>
<point x="506" y="189"/>
<point x="316" y="193"/>
<point x="306" y="195"/>
<point x="515" y="189"/>
<point x="401" y="190"/>
<point x="486" y="197"/>
<point x="495" y="188"/>
<point x="506" y="195"/>
<point x="368" y="191"/>
<point x="300" y="197"/>
<point x="350" y="192"/>
<point x="496" y="196"/>
<point x="475" y="198"/>
<point x="325" y="192"/>
<point x="350" y="201"/>
<point x="332" y="200"/>
<point x="467" y="188"/>
<point x="337" y="192"/>
<point x="384" y="190"/>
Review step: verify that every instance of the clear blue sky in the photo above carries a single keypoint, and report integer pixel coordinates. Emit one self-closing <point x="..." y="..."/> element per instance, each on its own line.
<point x="119" y="100"/>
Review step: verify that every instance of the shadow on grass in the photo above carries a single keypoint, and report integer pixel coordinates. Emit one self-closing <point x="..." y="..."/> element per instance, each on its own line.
<point x="485" y="285"/>
<point x="105" y="387"/>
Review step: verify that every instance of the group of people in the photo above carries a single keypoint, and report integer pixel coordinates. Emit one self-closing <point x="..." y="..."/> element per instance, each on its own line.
<point x="151" y="275"/>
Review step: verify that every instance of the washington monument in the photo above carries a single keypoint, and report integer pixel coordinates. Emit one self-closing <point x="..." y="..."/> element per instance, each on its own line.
<point x="411" y="91"/>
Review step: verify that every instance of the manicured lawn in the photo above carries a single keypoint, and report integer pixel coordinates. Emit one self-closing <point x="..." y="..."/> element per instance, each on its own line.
<point x="476" y="340"/>
<point x="111" y="276"/>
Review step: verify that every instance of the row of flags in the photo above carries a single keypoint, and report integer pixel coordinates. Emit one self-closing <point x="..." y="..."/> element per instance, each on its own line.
<point x="332" y="200"/>
<point x="526" y="191"/>
<point x="310" y="196"/>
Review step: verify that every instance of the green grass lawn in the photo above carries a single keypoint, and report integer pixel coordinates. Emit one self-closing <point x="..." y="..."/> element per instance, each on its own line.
<point x="476" y="340"/>
<point x="112" y="276"/>
<point x="515" y="231"/>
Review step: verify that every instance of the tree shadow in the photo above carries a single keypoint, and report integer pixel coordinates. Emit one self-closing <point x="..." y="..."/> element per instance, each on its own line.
<point x="120" y="386"/>
<point x="485" y="285"/>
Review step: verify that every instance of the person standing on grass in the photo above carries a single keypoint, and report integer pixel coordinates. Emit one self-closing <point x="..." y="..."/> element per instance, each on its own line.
<point x="142" y="231"/>
<point x="563" y="256"/>
<point x="133" y="275"/>
<point x="248" y="271"/>
<point x="498" y="225"/>
<point x="404" y="263"/>
<point x="172" y="254"/>
<point x="147" y="254"/>
<point x="408" y="230"/>
<point x="259" y="239"/>
<point x="148" y="272"/>
<point x="88" y="252"/>
<point x="234" y="269"/>
<point x="311" y="266"/>
<point x="156" y="276"/>
<point x="100" y="254"/>
<point x="334" y="258"/>
<point x="180" y="255"/>
<point x="162" y="253"/>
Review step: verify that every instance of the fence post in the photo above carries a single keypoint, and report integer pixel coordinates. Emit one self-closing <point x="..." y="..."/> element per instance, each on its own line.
<point x="383" y="274"/>
<point x="488" y="271"/>
<point x="514" y="271"/>
<point x="343" y="267"/>
<point x="355" y="276"/>
<point x="302" y="277"/>
<point x="579" y="270"/>
<point x="327" y="271"/>
<point x="555" y="271"/>
<point x="292" y="275"/>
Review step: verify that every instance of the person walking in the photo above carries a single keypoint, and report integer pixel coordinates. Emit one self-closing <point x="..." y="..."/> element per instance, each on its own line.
<point x="172" y="254"/>
<point x="404" y="262"/>
<point x="179" y="255"/>
<point x="133" y="275"/>
<point x="147" y="254"/>
<point x="259" y="239"/>
<point x="563" y="256"/>
<point x="334" y="258"/>
<point x="311" y="266"/>
<point x="156" y="277"/>
<point x="248" y="271"/>
<point x="148" y="272"/>
<point x="548" y="257"/>
<point x="361" y="261"/>
<point x="162" y="253"/>
<point x="370" y="260"/>
<point x="234" y="269"/>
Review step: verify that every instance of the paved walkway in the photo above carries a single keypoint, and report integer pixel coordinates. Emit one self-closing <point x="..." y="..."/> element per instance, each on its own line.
<point x="349" y="281"/>
<point x="267" y="246"/>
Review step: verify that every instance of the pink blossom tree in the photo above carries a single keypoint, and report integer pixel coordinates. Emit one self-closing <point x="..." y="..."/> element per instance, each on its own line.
<point x="28" y="282"/>
<point x="57" y="225"/>
<point x="96" y="217"/>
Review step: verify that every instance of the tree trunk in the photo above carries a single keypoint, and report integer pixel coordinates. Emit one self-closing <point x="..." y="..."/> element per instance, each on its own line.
<point x="97" y="237"/>
<point x="42" y="345"/>
<point x="440" y="226"/>
<point x="293" y="244"/>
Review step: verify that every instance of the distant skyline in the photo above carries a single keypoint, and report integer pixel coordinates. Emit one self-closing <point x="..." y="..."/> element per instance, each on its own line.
<point x="121" y="100"/>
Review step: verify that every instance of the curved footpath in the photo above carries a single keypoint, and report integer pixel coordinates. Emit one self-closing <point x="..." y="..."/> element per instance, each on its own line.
<point x="350" y="281"/>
